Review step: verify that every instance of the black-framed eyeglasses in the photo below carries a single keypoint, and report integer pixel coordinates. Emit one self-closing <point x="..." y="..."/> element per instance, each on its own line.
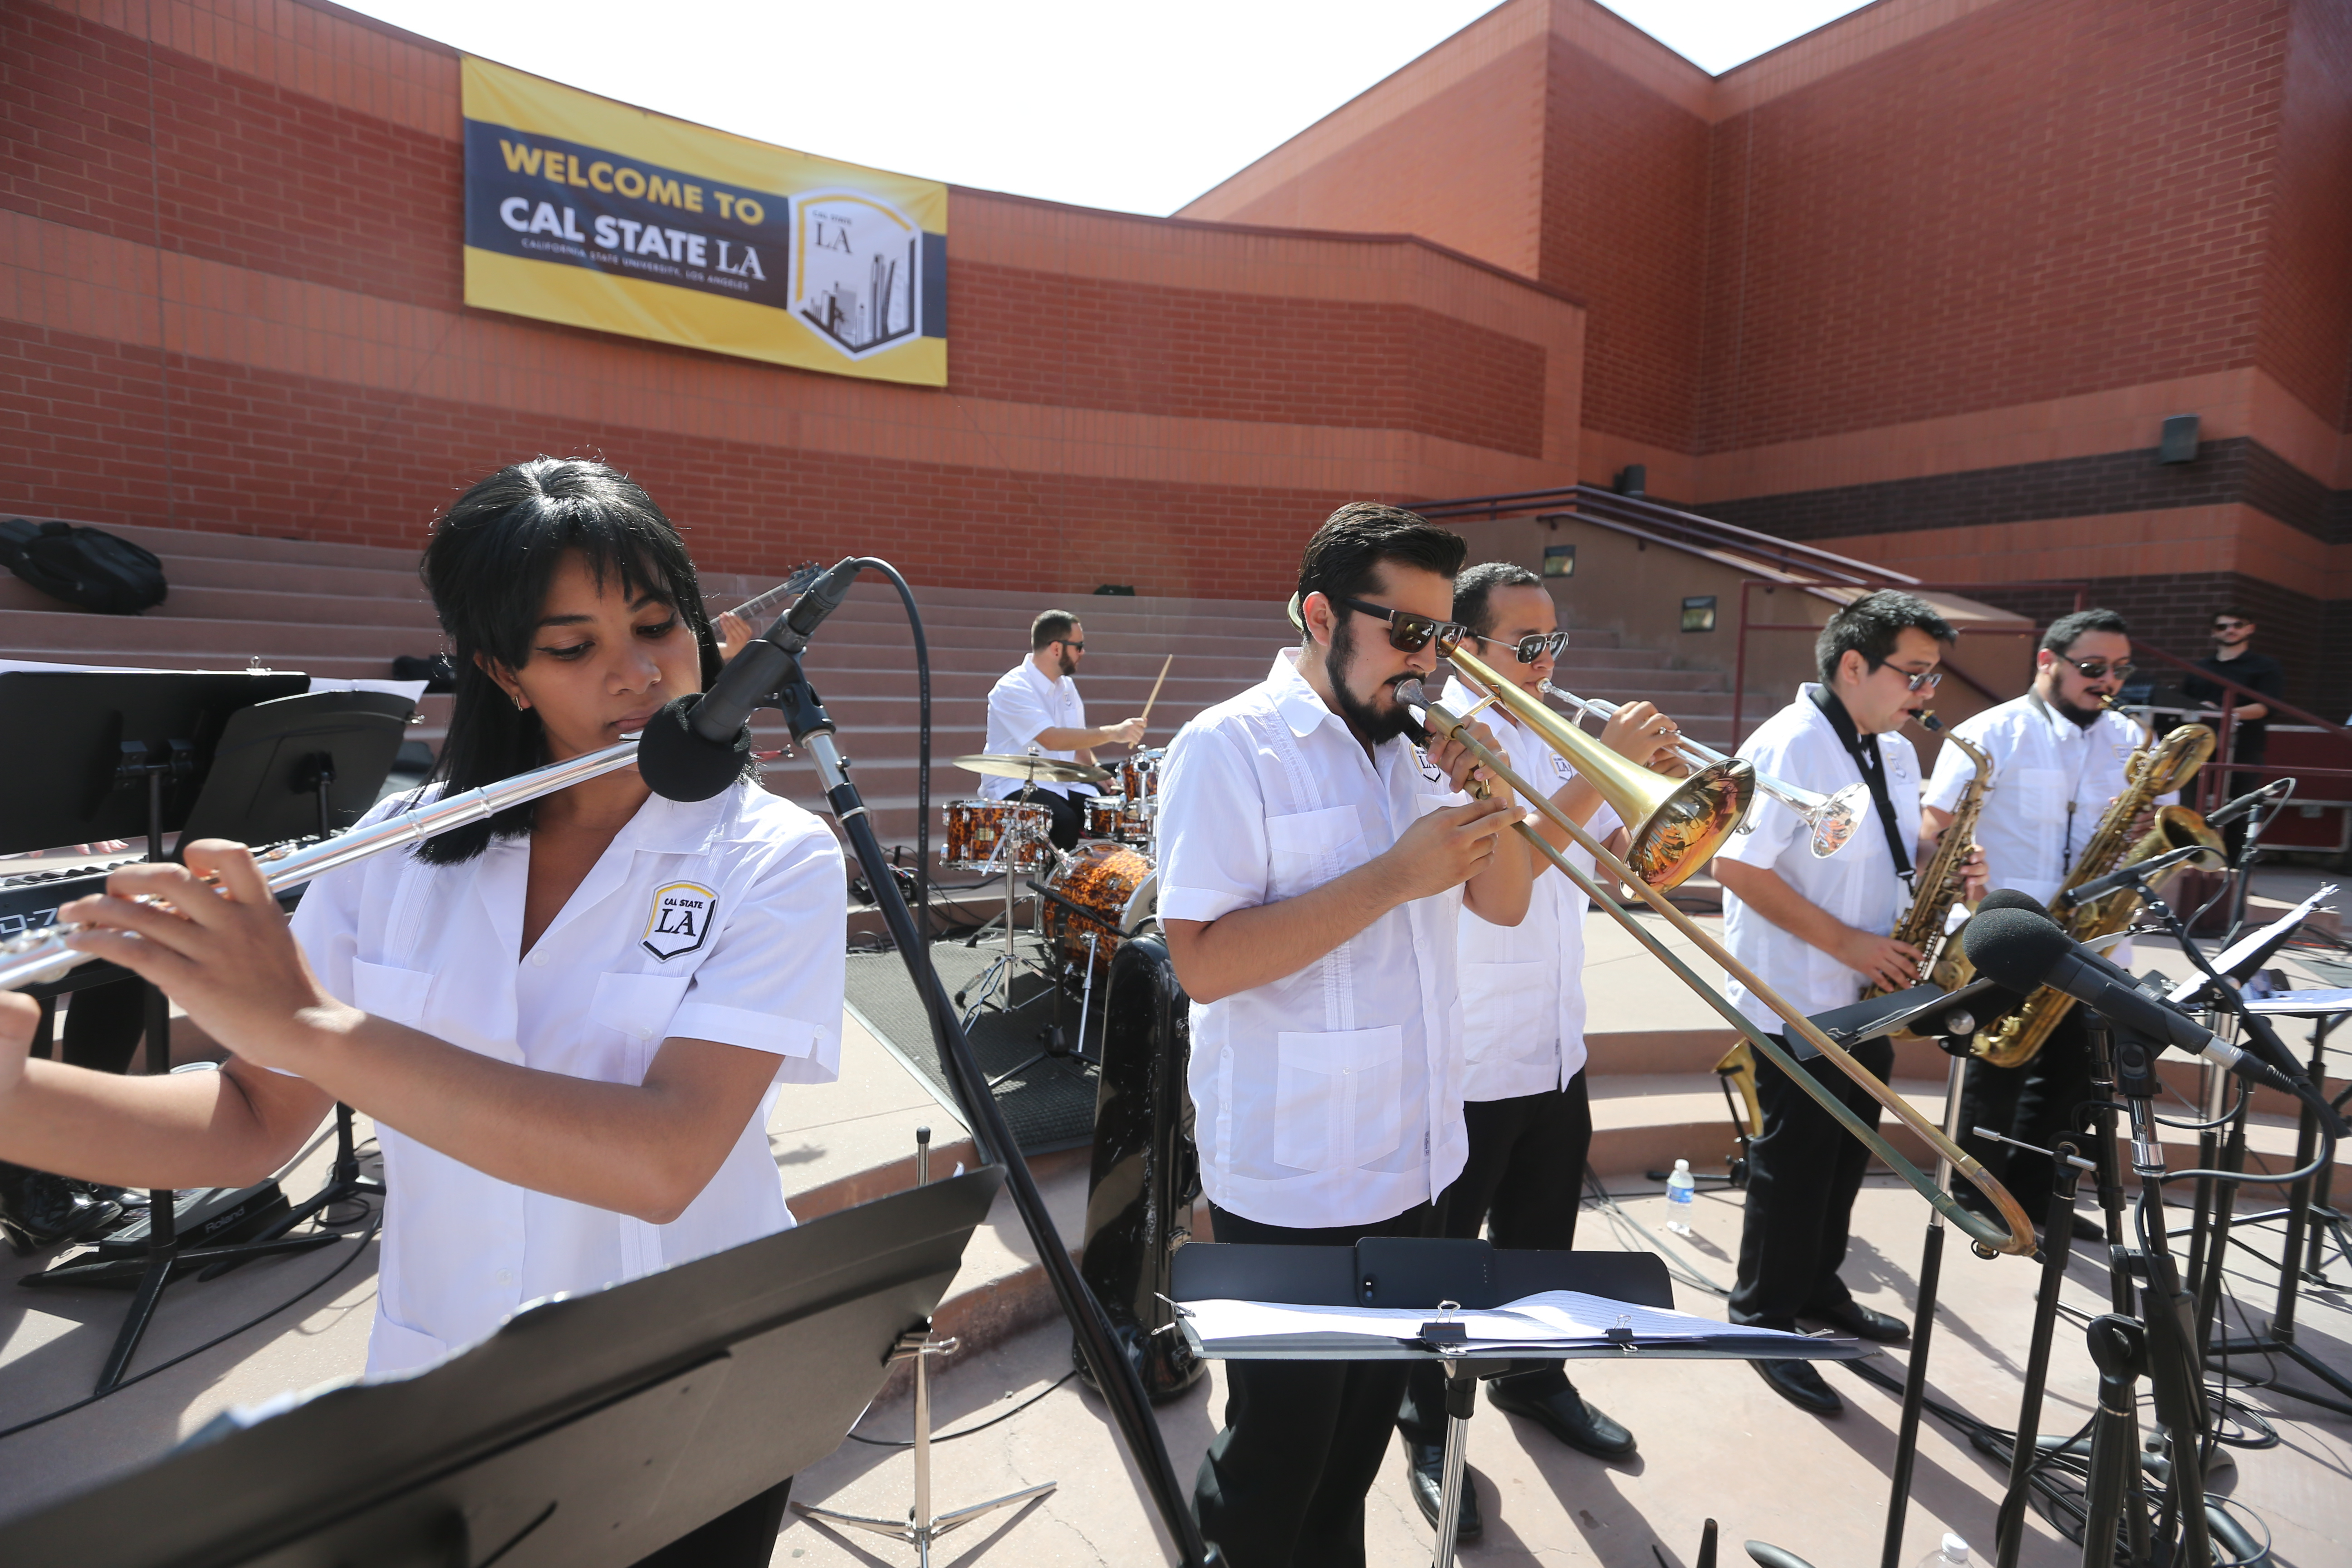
<point x="1067" y="643"/>
<point x="1927" y="681"/>
<point x="1409" y="632"/>
<point x="2100" y="668"/>
<point x="2232" y="625"/>
<point x="1533" y="646"/>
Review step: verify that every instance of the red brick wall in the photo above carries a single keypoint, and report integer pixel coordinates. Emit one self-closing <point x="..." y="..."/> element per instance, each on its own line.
<point x="234" y="301"/>
<point x="2035" y="201"/>
<point x="1092" y="343"/>
<point x="2306" y="336"/>
<point x="1624" y="230"/>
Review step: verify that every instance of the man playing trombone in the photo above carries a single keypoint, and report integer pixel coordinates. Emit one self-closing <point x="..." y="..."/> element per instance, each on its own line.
<point x="1315" y="865"/>
<point x="1817" y="930"/>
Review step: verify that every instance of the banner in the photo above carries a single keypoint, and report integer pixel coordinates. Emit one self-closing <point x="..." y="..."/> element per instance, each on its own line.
<point x="588" y="212"/>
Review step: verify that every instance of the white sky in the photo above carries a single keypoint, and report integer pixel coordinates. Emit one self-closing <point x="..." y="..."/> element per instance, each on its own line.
<point x="1107" y="104"/>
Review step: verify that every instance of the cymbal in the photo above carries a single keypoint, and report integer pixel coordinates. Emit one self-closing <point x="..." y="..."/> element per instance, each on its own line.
<point x="1045" y="769"/>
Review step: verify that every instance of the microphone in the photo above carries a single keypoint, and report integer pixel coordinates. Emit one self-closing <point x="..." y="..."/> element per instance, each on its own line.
<point x="2010" y="898"/>
<point x="699" y="745"/>
<point x="2099" y="887"/>
<point x="2020" y="950"/>
<point x="2248" y="801"/>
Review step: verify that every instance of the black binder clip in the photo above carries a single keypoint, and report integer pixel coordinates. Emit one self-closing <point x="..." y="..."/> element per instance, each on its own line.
<point x="1447" y="1331"/>
<point x="1621" y="1334"/>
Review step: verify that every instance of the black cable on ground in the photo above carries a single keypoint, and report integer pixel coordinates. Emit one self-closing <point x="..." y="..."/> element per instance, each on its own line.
<point x="375" y="1219"/>
<point x="960" y="1432"/>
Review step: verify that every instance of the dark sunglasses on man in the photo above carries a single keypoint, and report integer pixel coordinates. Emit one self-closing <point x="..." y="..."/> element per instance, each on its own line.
<point x="2099" y="668"/>
<point x="1409" y="632"/>
<point x="1532" y="646"/>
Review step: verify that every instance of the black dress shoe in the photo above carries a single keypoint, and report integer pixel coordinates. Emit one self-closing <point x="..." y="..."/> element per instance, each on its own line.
<point x="1566" y="1416"/>
<point x="37" y="1210"/>
<point x="1859" y="1320"/>
<point x="1800" y="1385"/>
<point x="1425" y="1470"/>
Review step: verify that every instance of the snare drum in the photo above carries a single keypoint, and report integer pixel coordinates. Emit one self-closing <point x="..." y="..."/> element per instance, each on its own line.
<point x="976" y="828"/>
<point x="1104" y="879"/>
<point x="1103" y="813"/>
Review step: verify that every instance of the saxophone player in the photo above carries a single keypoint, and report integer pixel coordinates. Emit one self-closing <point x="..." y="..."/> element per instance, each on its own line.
<point x="2056" y="759"/>
<point x="1818" y="930"/>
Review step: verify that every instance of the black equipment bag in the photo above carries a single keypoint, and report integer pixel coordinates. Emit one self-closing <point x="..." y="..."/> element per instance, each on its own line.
<point x="1146" y="1172"/>
<point x="83" y="566"/>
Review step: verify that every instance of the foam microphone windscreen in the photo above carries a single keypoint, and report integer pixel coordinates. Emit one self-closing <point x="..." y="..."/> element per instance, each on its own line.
<point x="680" y="764"/>
<point x="2010" y="898"/>
<point x="2014" y="948"/>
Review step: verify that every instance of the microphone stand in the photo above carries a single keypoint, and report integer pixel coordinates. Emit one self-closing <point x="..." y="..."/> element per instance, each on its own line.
<point x="1114" y="1374"/>
<point x="1923" y="1329"/>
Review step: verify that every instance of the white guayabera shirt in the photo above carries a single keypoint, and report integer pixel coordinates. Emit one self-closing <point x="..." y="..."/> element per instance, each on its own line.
<point x="1331" y="1096"/>
<point x="1022" y="705"/>
<point x="1858" y="885"/>
<point x="1523" y="986"/>
<point x="721" y="920"/>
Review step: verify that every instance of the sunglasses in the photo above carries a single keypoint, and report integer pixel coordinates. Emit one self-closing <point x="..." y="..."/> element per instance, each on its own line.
<point x="1529" y="649"/>
<point x="1409" y="632"/>
<point x="2099" y="668"/>
<point x="2230" y="625"/>
<point x="1076" y="646"/>
<point x="1928" y="681"/>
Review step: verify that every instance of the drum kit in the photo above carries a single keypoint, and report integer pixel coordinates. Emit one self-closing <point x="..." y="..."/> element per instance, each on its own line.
<point x="1091" y="898"/>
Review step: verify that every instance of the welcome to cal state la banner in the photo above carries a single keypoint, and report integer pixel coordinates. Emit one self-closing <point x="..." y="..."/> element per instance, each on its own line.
<point x="588" y="212"/>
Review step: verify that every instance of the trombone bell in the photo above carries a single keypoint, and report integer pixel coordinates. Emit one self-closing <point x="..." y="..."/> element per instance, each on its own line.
<point x="1675" y="825"/>
<point x="1834" y="820"/>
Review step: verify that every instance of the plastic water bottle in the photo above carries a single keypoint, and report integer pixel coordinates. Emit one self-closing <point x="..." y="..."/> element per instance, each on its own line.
<point x="1680" y="1189"/>
<point x="1953" y="1554"/>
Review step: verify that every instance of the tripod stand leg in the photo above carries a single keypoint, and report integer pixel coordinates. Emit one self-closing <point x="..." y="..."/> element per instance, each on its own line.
<point x="2009" y="1529"/>
<point x="2120" y="1349"/>
<point x="1461" y="1401"/>
<point x="162" y="1256"/>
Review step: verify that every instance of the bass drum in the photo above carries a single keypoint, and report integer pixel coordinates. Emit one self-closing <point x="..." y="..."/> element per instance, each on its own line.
<point x="1147" y="1174"/>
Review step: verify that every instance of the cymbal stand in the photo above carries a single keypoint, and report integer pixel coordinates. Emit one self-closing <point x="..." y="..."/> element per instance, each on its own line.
<point x="921" y="1527"/>
<point x="998" y="977"/>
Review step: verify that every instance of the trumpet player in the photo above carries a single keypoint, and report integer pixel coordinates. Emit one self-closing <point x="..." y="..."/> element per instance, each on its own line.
<point x="1315" y="866"/>
<point x="1528" y="1121"/>
<point x="2057" y="756"/>
<point x="1818" y="932"/>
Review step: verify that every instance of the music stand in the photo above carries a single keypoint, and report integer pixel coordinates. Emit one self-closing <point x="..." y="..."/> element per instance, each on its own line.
<point x="293" y="768"/>
<point x="135" y="750"/>
<point x="588" y="1431"/>
<point x="1428" y="1275"/>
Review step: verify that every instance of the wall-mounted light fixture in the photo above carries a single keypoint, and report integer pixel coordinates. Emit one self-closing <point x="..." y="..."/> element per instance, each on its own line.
<point x="1559" y="560"/>
<point x="2180" y="441"/>
<point x="1698" y="613"/>
<point x="1633" y="479"/>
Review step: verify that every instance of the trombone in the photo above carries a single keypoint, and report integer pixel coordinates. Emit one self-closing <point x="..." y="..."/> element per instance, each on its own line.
<point x="1831" y="818"/>
<point x="1607" y="773"/>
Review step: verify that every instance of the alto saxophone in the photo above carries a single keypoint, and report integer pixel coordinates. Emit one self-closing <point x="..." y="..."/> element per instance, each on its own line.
<point x="2157" y="767"/>
<point x="1935" y="884"/>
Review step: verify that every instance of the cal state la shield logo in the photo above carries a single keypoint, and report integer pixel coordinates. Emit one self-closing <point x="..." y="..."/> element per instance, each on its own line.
<point x="681" y="919"/>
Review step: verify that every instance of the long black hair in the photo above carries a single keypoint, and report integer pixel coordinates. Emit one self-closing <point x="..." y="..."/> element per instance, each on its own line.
<point x="488" y="567"/>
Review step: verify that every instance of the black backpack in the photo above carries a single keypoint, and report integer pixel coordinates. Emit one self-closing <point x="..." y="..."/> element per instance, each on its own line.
<point x="82" y="566"/>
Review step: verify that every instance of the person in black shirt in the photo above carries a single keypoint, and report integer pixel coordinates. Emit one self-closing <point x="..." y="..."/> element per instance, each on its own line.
<point x="2234" y="658"/>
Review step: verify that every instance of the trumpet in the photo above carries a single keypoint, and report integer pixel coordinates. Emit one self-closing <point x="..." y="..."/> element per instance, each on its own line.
<point x="37" y="956"/>
<point x="1606" y="772"/>
<point x="1830" y="819"/>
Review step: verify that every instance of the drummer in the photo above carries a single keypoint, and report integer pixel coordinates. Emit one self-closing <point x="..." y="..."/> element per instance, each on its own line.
<point x="1036" y="708"/>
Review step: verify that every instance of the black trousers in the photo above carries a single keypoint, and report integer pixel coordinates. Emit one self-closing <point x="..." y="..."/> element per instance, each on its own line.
<point x="1802" y="1176"/>
<point x="1522" y="1185"/>
<point x="101" y="1030"/>
<point x="1068" y="819"/>
<point x="742" y="1537"/>
<point x="1283" y="1485"/>
<point x="2033" y="1103"/>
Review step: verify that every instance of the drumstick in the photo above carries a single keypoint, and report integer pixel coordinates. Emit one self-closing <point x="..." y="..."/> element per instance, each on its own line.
<point x="1155" y="689"/>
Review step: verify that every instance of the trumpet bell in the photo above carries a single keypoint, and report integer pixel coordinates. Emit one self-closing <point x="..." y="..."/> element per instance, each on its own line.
<point x="1834" y="822"/>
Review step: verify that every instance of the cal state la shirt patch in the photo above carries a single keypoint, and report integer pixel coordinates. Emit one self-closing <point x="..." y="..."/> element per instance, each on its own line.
<point x="679" y="921"/>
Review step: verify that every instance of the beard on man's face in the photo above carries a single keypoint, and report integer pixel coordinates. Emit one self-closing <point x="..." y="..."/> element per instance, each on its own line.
<point x="1373" y="722"/>
<point x="1068" y="660"/>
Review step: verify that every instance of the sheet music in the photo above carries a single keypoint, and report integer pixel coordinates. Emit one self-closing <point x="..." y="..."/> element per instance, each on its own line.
<point x="2249" y="944"/>
<point x="1550" y="1318"/>
<point x="2303" y="1004"/>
